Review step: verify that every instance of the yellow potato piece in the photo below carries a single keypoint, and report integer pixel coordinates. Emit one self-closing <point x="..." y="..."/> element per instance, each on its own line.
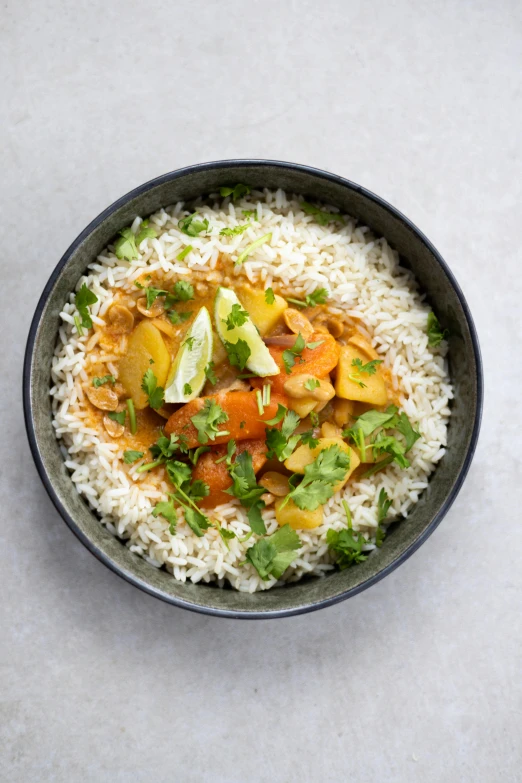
<point x="374" y="390"/>
<point x="145" y="343"/>
<point x="363" y="345"/>
<point x="303" y="456"/>
<point x="296" y="517"/>
<point x="302" y="407"/>
<point x="264" y="316"/>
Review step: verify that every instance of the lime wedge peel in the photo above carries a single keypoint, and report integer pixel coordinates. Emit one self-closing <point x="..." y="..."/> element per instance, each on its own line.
<point x="260" y="360"/>
<point x="193" y="356"/>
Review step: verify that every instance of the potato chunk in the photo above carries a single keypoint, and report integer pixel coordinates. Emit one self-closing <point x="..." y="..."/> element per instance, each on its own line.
<point x="145" y="343"/>
<point x="296" y="517"/>
<point x="374" y="389"/>
<point x="264" y="316"/>
<point x="303" y="456"/>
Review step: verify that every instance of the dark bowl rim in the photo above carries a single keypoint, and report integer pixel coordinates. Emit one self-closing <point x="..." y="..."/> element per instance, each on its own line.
<point x="47" y="480"/>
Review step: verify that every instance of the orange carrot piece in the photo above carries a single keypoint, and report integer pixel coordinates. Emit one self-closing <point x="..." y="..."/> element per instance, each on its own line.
<point x="217" y="476"/>
<point x="315" y="361"/>
<point x="244" y="420"/>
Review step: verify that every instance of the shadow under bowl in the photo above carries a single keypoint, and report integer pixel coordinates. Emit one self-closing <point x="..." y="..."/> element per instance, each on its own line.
<point x="436" y="281"/>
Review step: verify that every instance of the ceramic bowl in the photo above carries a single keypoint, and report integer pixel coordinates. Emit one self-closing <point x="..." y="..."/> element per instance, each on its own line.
<point x="435" y="279"/>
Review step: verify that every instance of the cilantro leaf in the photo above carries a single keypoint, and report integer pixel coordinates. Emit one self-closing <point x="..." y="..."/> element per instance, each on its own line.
<point x="435" y="334"/>
<point x="183" y="292"/>
<point x="347" y="548"/>
<point x="226" y="535"/>
<point x="281" y="410"/>
<point x="210" y="374"/>
<point x="248" y="213"/>
<point x="272" y="555"/>
<point x="187" y="389"/>
<point x="145" y="232"/>
<point x="178" y="318"/>
<point x="320" y="476"/>
<point x="236" y="317"/>
<point x="312" y="383"/>
<point x="281" y="443"/>
<point x="207" y="419"/>
<point x="131" y="456"/>
<point x="405" y="428"/>
<point x="319" y="296"/>
<point x="308" y="439"/>
<point x="97" y="382"/>
<point x="193" y="225"/>
<point x="189" y="342"/>
<point x="370" y="368"/>
<point x="289" y="356"/>
<point x="125" y="245"/>
<point x="389" y="444"/>
<point x="238" y="353"/>
<point x="231" y="450"/>
<point x="383" y="506"/>
<point x="83" y="299"/>
<point x="195" y="454"/>
<point x="196" y="520"/>
<point x="372" y="420"/>
<point x="234" y="232"/>
<point x="166" y="509"/>
<point x="321" y="216"/>
<point x="247" y="490"/>
<point x="269" y="296"/>
<point x="166" y="447"/>
<point x="154" y="392"/>
<point x="152" y="294"/>
<point x="236" y="191"/>
<point x="118" y="416"/>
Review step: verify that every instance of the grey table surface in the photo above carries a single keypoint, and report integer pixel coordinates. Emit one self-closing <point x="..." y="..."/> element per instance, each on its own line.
<point x="419" y="678"/>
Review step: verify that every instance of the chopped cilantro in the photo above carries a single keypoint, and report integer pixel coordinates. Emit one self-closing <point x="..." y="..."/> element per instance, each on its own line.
<point x="207" y="419"/>
<point x="210" y="374"/>
<point x="308" y="439"/>
<point x="236" y="191"/>
<point x="118" y="416"/>
<point x="347" y="548"/>
<point x="281" y="443"/>
<point x="97" y="382"/>
<point x="152" y="294"/>
<point x="238" y="353"/>
<point x="154" y="392"/>
<point x="195" y="454"/>
<point x="178" y="318"/>
<point x="226" y="535"/>
<point x="193" y="225"/>
<point x="319" y="296"/>
<point x="247" y="490"/>
<point x="269" y="296"/>
<point x="183" y="292"/>
<point x="272" y="555"/>
<point x="125" y="245"/>
<point x="312" y="383"/>
<point x="83" y="299"/>
<point x="248" y="213"/>
<point x="236" y="317"/>
<point x="187" y="389"/>
<point x="166" y="509"/>
<point x="184" y="253"/>
<point x="370" y="368"/>
<point x="320" y="476"/>
<point x="145" y="232"/>
<point x="435" y="334"/>
<point x="321" y="216"/>
<point x="189" y="342"/>
<point x="253" y="245"/>
<point x="281" y="410"/>
<point x="231" y="450"/>
<point x="289" y="356"/>
<point x="234" y="232"/>
<point x="131" y="456"/>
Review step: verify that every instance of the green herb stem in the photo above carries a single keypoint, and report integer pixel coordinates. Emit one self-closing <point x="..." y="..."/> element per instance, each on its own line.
<point x="132" y="417"/>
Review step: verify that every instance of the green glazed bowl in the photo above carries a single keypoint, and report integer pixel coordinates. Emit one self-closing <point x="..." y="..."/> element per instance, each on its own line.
<point x="443" y="293"/>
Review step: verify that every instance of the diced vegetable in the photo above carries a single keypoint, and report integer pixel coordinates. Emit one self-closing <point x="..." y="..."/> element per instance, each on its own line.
<point x="264" y="316"/>
<point x="363" y="345"/>
<point x="318" y="361"/>
<point x="354" y="385"/>
<point x="243" y="422"/>
<point x="303" y="456"/>
<point x="217" y="476"/>
<point x="145" y="343"/>
<point x="297" y="518"/>
<point x="302" y="407"/>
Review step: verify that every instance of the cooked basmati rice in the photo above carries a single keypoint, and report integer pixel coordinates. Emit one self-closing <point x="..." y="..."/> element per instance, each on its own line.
<point x="365" y="281"/>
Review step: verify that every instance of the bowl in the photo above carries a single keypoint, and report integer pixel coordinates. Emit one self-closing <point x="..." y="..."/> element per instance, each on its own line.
<point x="444" y="295"/>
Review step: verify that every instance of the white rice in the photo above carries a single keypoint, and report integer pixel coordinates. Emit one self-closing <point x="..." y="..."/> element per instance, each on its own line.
<point x="364" y="278"/>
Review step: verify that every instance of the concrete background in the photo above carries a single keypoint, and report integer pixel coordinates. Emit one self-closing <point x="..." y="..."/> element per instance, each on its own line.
<point x="418" y="678"/>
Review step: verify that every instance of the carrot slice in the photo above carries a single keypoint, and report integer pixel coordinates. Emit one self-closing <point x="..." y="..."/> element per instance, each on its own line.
<point x="315" y="361"/>
<point x="244" y="420"/>
<point x="217" y="476"/>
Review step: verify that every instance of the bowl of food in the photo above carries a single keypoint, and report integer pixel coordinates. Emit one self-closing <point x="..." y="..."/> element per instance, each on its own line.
<point x="252" y="388"/>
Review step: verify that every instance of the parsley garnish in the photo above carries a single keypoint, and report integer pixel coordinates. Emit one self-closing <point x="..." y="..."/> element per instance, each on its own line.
<point x="255" y="244"/>
<point x="154" y="392"/>
<point x="272" y="555"/>
<point x="321" y="216"/>
<point x="210" y="374"/>
<point x="269" y="296"/>
<point x="118" y="416"/>
<point x="234" y="232"/>
<point x="238" y="353"/>
<point x="320" y="476"/>
<point x="319" y="296"/>
<point x="281" y="443"/>
<point x="125" y="246"/>
<point x="236" y="191"/>
<point x="435" y="334"/>
<point x="193" y="225"/>
<point x="206" y="421"/>
<point x="83" y="299"/>
<point x="370" y="368"/>
<point x="236" y="317"/>
<point x="97" y="382"/>
<point x="131" y="456"/>
<point x="247" y="490"/>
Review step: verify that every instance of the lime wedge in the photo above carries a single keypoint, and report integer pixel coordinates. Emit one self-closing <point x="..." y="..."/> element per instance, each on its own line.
<point x="187" y="374"/>
<point x="260" y="360"/>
